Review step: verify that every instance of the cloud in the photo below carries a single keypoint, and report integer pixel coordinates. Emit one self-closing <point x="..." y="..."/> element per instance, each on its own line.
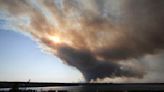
<point x="92" y="68"/>
<point x="107" y="38"/>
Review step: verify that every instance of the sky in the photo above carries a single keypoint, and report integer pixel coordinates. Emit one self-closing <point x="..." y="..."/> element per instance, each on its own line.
<point x="21" y="59"/>
<point x="116" y="41"/>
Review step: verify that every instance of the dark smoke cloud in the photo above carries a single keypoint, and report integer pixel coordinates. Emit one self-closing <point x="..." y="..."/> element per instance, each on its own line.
<point x="98" y="37"/>
<point x="93" y="68"/>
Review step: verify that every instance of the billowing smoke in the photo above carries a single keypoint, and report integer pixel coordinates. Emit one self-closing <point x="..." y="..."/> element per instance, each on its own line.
<point x="101" y="38"/>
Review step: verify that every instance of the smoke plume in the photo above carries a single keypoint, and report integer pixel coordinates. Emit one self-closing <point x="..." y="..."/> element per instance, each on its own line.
<point x="101" y="38"/>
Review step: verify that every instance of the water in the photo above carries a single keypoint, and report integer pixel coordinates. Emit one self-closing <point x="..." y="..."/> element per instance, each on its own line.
<point x="41" y="89"/>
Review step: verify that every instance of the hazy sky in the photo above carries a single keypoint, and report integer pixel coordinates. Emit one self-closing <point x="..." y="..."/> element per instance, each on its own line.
<point x="96" y="40"/>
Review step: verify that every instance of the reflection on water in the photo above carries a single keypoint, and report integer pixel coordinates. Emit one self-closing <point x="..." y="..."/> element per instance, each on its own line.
<point x="91" y="88"/>
<point x="47" y="89"/>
